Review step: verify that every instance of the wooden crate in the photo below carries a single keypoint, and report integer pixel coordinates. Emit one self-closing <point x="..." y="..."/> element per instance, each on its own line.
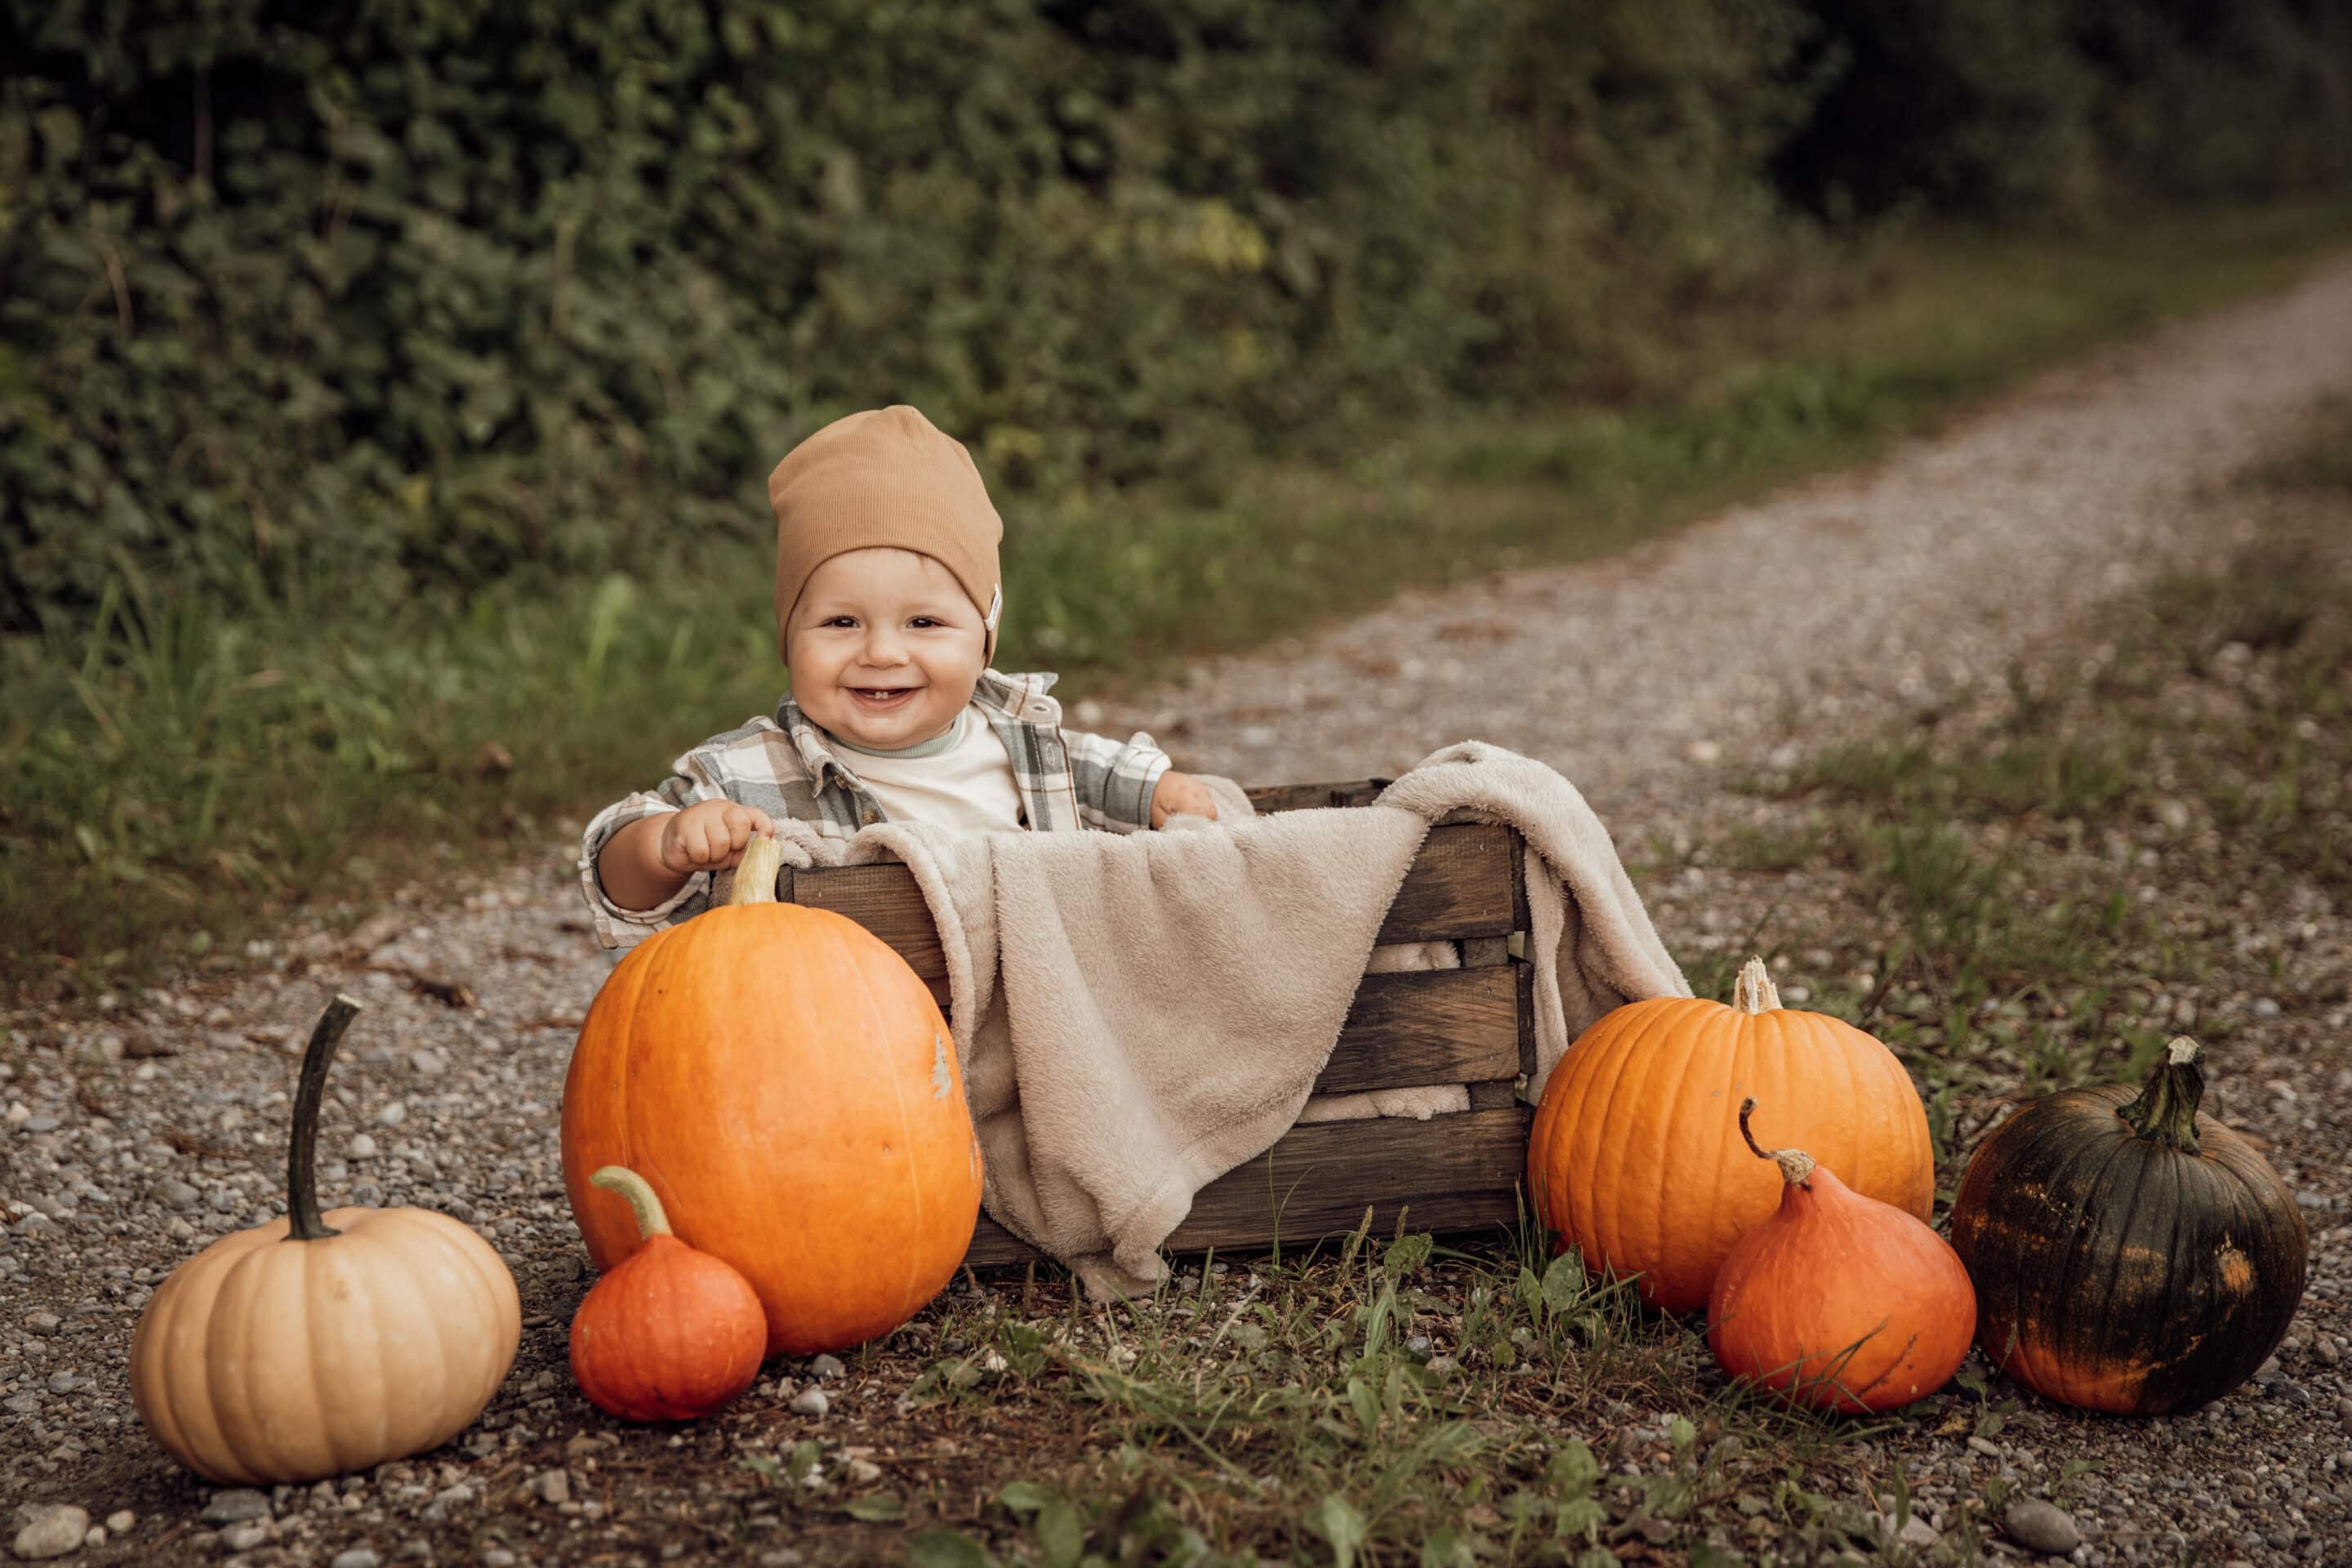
<point x="1473" y="1025"/>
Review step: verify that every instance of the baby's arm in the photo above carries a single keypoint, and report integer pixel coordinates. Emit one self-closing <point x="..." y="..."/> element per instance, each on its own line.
<point x="630" y="893"/>
<point x="646" y="863"/>
<point x="1124" y="785"/>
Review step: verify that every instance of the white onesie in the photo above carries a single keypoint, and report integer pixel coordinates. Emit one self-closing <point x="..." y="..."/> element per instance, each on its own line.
<point x="960" y="779"/>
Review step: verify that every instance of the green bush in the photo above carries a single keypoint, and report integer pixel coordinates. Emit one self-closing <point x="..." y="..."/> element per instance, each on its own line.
<point x="352" y="303"/>
<point x="366" y="300"/>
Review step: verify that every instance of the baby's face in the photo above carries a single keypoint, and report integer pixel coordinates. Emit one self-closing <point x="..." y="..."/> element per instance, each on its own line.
<point x="884" y="647"/>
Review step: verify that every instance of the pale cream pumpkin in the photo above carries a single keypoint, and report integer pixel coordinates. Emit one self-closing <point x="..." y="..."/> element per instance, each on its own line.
<point x="316" y="1345"/>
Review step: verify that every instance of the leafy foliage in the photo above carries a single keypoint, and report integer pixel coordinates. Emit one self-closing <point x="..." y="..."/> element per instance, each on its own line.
<point x="363" y="301"/>
<point x="394" y="297"/>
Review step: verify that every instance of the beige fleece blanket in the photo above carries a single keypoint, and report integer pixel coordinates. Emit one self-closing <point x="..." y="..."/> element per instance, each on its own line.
<point x="1139" y="1013"/>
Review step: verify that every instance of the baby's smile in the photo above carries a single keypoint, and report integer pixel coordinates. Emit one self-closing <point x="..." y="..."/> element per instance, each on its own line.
<point x="883" y="699"/>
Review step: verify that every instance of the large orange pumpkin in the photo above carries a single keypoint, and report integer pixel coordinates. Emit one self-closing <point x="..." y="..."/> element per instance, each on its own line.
<point x="1635" y="1156"/>
<point x="787" y="1085"/>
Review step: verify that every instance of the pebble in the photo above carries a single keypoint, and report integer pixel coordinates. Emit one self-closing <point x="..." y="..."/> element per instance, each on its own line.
<point x="43" y="1323"/>
<point x="362" y="1147"/>
<point x="2041" y="1527"/>
<point x="246" y="1536"/>
<point x="809" y="1402"/>
<point x="1916" y="1530"/>
<point x="825" y="1368"/>
<point x="356" y="1557"/>
<point x="394" y="1113"/>
<point x="177" y="1194"/>
<point x="552" y="1486"/>
<point x="120" y="1521"/>
<point x="2265" y="1008"/>
<point x="427" y="1064"/>
<point x="498" y="1557"/>
<point x="236" y="1506"/>
<point x="50" y="1529"/>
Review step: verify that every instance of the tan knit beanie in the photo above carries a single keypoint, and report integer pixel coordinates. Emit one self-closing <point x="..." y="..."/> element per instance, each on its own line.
<point x="886" y="476"/>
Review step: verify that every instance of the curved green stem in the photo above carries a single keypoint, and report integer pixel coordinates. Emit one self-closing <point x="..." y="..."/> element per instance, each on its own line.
<point x="303" y="1223"/>
<point x="2166" y="1109"/>
<point x="651" y="1220"/>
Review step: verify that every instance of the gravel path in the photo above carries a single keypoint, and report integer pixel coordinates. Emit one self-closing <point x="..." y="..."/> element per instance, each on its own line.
<point x="134" y="1137"/>
<point x="1828" y="606"/>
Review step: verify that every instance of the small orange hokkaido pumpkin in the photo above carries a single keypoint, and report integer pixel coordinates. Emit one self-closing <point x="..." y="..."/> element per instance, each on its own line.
<point x="1632" y="1159"/>
<point x="319" y="1344"/>
<point x="672" y="1334"/>
<point x="788" y="1088"/>
<point x="1839" y="1302"/>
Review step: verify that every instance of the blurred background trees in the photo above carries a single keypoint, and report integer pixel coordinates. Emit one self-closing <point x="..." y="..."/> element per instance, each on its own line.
<point x="369" y="300"/>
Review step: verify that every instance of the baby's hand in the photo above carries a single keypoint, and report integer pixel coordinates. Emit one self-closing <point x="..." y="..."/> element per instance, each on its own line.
<point x="1181" y="793"/>
<point x="710" y="836"/>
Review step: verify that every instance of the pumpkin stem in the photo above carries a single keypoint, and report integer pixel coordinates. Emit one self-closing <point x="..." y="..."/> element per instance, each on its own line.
<point x="1795" y="1164"/>
<point x="755" y="874"/>
<point x="302" y="1221"/>
<point x="1754" y="992"/>
<point x="2166" y="1109"/>
<point x="651" y="1220"/>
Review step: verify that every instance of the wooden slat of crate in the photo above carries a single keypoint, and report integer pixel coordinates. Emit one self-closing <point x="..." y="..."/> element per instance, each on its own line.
<point x="1267" y="798"/>
<point x="1447" y="1025"/>
<point x="1317" y="1180"/>
<point x="1464" y="883"/>
<point x="1442" y="1025"/>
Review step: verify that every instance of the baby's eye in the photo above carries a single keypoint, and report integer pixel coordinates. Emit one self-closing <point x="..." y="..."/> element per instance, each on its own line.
<point x="926" y="621"/>
<point x="841" y="621"/>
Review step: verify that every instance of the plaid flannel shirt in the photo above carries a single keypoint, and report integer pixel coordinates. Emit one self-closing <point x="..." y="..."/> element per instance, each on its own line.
<point x="1067" y="780"/>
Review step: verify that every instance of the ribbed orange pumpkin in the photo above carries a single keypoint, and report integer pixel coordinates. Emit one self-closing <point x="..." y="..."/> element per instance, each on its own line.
<point x="1635" y="1158"/>
<point x="672" y="1334"/>
<point x="1839" y="1302"/>
<point x="786" y="1085"/>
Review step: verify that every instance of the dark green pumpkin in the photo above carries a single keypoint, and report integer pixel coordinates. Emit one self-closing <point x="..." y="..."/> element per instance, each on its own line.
<point x="2127" y="1257"/>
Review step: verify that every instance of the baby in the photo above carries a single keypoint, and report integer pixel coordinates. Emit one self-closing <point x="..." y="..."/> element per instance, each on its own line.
<point x="886" y="606"/>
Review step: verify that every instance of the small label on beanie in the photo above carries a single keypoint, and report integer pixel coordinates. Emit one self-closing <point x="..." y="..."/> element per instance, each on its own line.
<point x="995" y="603"/>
